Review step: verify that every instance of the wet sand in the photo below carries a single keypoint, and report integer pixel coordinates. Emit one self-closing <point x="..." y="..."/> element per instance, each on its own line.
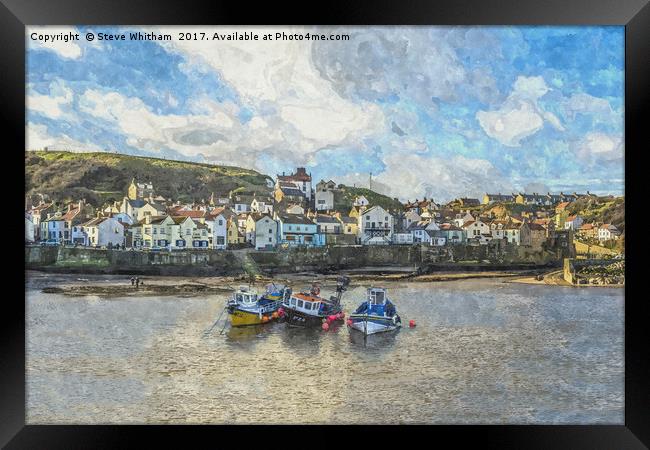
<point x="196" y="286"/>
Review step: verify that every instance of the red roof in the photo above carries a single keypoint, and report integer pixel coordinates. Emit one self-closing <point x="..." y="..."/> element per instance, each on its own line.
<point x="70" y="214"/>
<point x="194" y="214"/>
<point x="300" y="175"/>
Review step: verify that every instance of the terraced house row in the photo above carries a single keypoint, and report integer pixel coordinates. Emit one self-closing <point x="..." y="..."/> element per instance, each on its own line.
<point x="294" y="213"/>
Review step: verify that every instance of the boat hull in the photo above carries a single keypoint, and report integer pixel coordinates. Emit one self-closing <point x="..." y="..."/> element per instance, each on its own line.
<point x="241" y="318"/>
<point x="299" y="319"/>
<point x="374" y="324"/>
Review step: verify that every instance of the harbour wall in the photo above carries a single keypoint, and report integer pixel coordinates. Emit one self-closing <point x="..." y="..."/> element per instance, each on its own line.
<point x="330" y="259"/>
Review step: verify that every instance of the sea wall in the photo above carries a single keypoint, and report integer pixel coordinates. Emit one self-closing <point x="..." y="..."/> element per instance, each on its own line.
<point x="419" y="258"/>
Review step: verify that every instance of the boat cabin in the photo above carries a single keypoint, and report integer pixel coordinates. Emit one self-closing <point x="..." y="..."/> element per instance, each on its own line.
<point x="377" y="296"/>
<point x="245" y="297"/>
<point x="305" y="303"/>
<point x="377" y="303"/>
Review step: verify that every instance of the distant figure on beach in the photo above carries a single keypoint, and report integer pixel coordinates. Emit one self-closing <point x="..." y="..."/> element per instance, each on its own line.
<point x="132" y="281"/>
<point x="137" y="282"/>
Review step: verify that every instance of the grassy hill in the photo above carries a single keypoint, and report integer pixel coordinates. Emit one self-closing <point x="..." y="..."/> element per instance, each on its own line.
<point x="344" y="197"/>
<point x="100" y="177"/>
<point x="601" y="209"/>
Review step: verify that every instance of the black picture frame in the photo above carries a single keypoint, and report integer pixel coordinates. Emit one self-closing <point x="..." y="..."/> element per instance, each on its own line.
<point x="633" y="14"/>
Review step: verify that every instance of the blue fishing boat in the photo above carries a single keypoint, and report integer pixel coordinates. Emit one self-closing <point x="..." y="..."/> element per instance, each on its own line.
<point x="376" y="315"/>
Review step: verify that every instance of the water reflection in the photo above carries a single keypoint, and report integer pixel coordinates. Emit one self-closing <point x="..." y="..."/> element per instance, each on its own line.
<point x="378" y="342"/>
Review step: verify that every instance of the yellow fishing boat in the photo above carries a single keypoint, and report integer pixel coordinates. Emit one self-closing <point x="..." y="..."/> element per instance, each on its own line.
<point x="247" y="308"/>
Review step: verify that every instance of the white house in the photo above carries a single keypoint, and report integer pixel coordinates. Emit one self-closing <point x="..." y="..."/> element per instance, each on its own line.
<point x="263" y="231"/>
<point x="421" y="231"/>
<point x="436" y="240"/>
<point x="608" y="231"/>
<point x="325" y="195"/>
<point x="327" y="224"/>
<point x="262" y="205"/>
<point x="324" y="200"/>
<point x="131" y="207"/>
<point x="461" y="219"/>
<point x="477" y="229"/>
<point x="217" y="231"/>
<point x="103" y="231"/>
<point x="411" y="217"/>
<point x="498" y="229"/>
<point x="512" y="233"/>
<point x="573" y="222"/>
<point x="360" y="201"/>
<point x="375" y="226"/>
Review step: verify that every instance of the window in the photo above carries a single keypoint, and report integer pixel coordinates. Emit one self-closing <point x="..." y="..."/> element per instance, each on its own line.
<point x="155" y="231"/>
<point x="188" y="232"/>
<point x="270" y="239"/>
<point x="220" y="222"/>
<point x="270" y="231"/>
<point x="147" y="230"/>
<point x="220" y="240"/>
<point x="300" y="303"/>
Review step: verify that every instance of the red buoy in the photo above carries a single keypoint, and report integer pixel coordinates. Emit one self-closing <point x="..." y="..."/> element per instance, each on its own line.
<point x="281" y="312"/>
<point x="332" y="318"/>
<point x="326" y="326"/>
<point x="412" y="323"/>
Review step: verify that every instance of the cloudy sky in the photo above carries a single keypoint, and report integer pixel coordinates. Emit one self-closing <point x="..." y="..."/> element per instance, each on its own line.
<point x="435" y="111"/>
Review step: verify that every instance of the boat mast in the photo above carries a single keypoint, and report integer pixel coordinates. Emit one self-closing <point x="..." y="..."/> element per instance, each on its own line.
<point x="342" y="283"/>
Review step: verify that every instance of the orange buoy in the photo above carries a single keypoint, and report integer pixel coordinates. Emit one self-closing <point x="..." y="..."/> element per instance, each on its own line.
<point x="326" y="326"/>
<point x="265" y="319"/>
<point x="412" y="323"/>
<point x="275" y="314"/>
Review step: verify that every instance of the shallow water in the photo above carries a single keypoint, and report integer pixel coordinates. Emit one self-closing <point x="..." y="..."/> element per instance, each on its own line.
<point x="483" y="351"/>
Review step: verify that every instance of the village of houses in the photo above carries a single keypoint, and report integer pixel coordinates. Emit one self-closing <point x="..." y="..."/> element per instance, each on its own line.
<point x="296" y="213"/>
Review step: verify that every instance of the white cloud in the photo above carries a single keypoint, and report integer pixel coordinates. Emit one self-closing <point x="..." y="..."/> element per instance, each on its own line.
<point x="598" y="108"/>
<point x="410" y="176"/>
<point x="38" y="137"/>
<point x="279" y="76"/>
<point x="596" y="146"/>
<point x="51" y="105"/>
<point x="70" y="49"/>
<point x="520" y="115"/>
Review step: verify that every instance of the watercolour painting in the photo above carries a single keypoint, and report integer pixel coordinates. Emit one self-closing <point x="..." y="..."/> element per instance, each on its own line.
<point x="325" y="225"/>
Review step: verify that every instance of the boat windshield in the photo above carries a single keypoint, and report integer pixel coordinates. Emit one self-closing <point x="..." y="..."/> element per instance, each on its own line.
<point x="246" y="297"/>
<point x="376" y="296"/>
